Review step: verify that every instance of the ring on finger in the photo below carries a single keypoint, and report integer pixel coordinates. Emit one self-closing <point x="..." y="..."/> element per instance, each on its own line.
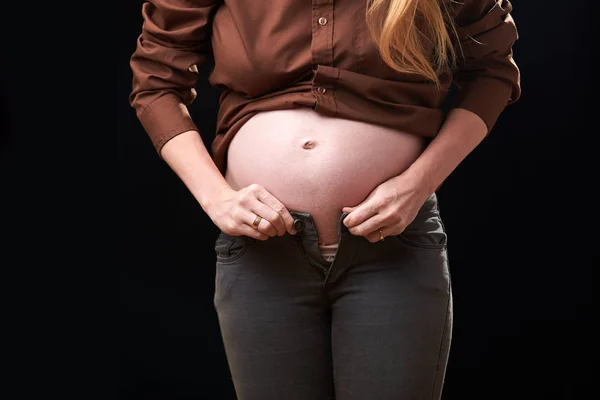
<point x="256" y="222"/>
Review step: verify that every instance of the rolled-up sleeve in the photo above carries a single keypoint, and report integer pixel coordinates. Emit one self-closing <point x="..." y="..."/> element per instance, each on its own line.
<point x="174" y="42"/>
<point x="487" y="77"/>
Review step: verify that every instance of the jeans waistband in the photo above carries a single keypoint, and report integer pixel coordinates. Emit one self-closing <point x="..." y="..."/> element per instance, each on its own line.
<point x="305" y="225"/>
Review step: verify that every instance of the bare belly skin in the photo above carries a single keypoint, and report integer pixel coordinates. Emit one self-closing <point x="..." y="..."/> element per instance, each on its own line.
<point x="318" y="164"/>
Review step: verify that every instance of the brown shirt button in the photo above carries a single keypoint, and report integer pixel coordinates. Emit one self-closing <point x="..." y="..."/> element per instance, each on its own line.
<point x="322" y="21"/>
<point x="321" y="90"/>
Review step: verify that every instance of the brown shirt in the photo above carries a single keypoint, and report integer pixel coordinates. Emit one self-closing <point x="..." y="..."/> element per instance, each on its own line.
<point x="273" y="55"/>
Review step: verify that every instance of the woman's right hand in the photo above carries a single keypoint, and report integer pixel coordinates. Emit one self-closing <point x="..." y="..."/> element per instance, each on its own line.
<point x="234" y="211"/>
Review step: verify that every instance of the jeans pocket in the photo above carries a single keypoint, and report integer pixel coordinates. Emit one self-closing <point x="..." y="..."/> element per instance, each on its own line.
<point x="230" y="248"/>
<point x="425" y="232"/>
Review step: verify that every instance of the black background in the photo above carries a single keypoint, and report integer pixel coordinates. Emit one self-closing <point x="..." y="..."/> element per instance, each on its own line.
<point x="518" y="213"/>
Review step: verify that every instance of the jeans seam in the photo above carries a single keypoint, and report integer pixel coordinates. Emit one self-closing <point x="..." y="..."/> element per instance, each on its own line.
<point x="422" y="246"/>
<point x="437" y="368"/>
<point x="308" y="260"/>
<point x="228" y="260"/>
<point x="330" y="271"/>
<point x="220" y="295"/>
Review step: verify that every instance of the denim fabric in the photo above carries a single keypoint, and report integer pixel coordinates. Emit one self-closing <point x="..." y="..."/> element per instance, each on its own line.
<point x="375" y="323"/>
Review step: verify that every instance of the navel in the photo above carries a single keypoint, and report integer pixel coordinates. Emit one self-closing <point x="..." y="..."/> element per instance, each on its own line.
<point x="309" y="144"/>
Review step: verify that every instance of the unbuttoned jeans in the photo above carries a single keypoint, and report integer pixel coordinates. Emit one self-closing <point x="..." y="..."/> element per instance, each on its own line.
<point x="375" y="323"/>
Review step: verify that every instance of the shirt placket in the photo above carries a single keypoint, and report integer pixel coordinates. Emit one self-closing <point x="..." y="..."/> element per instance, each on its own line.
<point x="323" y="84"/>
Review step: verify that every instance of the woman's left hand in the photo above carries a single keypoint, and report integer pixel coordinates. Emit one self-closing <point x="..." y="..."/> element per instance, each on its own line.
<point x="390" y="207"/>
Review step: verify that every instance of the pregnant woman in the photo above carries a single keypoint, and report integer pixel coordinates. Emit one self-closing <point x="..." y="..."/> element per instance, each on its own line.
<point x="332" y="273"/>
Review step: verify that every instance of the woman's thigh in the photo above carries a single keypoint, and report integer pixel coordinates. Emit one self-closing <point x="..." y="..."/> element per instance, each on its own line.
<point x="392" y="316"/>
<point x="275" y="326"/>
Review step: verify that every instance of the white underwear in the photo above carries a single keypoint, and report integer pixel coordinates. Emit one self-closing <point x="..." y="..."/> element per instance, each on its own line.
<point x="328" y="251"/>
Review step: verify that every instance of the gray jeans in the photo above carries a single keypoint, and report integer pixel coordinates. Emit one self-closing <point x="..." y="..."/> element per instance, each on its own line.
<point x="375" y="323"/>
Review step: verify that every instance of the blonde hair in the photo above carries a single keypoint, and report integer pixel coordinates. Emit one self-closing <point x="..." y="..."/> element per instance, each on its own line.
<point x="400" y="28"/>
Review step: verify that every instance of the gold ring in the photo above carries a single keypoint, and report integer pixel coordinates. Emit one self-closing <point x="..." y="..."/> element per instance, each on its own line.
<point x="381" y="237"/>
<point x="256" y="222"/>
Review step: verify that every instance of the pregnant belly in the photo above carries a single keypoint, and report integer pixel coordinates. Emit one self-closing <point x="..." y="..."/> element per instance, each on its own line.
<point x="317" y="164"/>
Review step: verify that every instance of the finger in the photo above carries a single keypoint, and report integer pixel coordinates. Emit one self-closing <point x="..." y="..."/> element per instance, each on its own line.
<point x="375" y="236"/>
<point x="359" y="215"/>
<point x="369" y="226"/>
<point x="253" y="233"/>
<point x="285" y="221"/>
<point x="264" y="225"/>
